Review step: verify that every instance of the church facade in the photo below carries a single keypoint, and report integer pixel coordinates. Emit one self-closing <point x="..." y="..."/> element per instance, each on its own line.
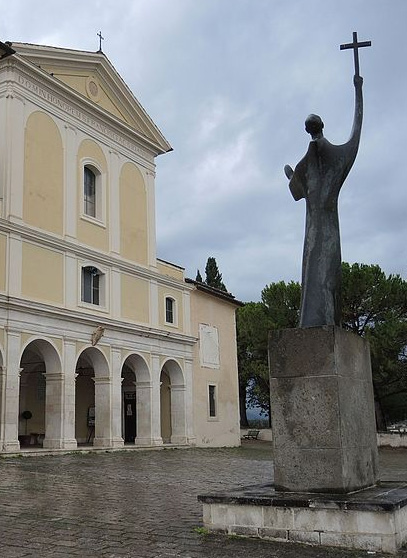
<point x="101" y="342"/>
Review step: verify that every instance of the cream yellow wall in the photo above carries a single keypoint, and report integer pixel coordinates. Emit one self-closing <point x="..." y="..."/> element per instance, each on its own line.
<point x="225" y="429"/>
<point x="133" y="215"/>
<point x="171" y="270"/>
<point x="43" y="174"/>
<point x="42" y="274"/>
<point x="134" y="299"/>
<point x="3" y="252"/>
<point x="89" y="232"/>
<point x="163" y="293"/>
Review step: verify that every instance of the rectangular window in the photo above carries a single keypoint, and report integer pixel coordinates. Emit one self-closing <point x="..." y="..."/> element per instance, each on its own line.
<point x="90" y="285"/>
<point x="169" y="310"/>
<point x="89" y="189"/>
<point x="212" y="401"/>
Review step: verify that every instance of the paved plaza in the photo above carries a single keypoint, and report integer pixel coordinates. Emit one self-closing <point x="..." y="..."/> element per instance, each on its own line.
<point x="139" y="504"/>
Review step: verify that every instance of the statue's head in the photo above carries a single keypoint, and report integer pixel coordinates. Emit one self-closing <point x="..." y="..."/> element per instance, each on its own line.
<point x="314" y="125"/>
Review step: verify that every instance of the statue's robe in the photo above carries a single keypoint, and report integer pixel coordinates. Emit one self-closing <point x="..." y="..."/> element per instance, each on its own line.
<point x="318" y="178"/>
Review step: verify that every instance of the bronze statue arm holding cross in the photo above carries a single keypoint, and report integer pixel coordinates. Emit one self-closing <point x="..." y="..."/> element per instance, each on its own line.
<point x="353" y="141"/>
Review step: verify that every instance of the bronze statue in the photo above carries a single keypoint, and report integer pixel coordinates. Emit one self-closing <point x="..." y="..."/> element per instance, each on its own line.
<point x="318" y="178"/>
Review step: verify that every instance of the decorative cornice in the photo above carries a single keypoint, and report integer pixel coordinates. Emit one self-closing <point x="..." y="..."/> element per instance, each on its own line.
<point x="64" y="245"/>
<point x="41" y="310"/>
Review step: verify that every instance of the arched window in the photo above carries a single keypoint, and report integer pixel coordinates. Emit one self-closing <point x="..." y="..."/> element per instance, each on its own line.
<point x="91" y="285"/>
<point x="93" y="192"/>
<point x="89" y="192"/>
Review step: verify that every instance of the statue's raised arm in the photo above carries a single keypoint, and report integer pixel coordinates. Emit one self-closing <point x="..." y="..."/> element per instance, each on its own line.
<point x="354" y="139"/>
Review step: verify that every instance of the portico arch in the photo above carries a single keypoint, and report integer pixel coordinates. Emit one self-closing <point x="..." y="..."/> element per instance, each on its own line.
<point x="173" y="403"/>
<point x="41" y="395"/>
<point x="93" y="421"/>
<point x="136" y="401"/>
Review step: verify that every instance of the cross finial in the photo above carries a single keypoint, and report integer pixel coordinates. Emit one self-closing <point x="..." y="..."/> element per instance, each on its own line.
<point x="100" y="40"/>
<point x="355" y="45"/>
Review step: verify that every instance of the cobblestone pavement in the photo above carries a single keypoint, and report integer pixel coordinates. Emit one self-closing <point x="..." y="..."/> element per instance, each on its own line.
<point x="139" y="504"/>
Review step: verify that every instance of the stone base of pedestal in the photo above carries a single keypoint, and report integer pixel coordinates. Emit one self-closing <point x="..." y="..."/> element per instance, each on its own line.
<point x="322" y="408"/>
<point x="373" y="519"/>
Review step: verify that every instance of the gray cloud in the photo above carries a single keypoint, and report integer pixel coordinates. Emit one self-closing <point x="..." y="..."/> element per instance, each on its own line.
<point x="229" y="83"/>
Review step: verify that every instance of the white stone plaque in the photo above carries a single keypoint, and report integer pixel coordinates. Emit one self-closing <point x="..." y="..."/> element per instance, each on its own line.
<point x="209" y="346"/>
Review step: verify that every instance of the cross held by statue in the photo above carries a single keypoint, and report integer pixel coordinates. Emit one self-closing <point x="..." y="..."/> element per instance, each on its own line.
<point x="355" y="46"/>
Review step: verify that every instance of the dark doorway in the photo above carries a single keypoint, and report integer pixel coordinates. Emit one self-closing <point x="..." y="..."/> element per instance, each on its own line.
<point x="129" y="417"/>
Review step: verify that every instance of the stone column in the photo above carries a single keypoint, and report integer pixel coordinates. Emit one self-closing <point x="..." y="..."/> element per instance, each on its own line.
<point x="156" y="439"/>
<point x="103" y="415"/>
<point x="2" y="403"/>
<point x="12" y="393"/>
<point x="54" y="410"/>
<point x="144" y="392"/>
<point x="324" y="432"/>
<point x="68" y="386"/>
<point x="178" y="424"/>
<point x="117" y="439"/>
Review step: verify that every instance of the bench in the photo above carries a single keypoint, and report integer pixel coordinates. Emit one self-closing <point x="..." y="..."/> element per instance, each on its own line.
<point x="252" y="435"/>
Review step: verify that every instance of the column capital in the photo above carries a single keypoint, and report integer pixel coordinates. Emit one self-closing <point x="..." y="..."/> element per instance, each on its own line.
<point x="102" y="379"/>
<point x="53" y="376"/>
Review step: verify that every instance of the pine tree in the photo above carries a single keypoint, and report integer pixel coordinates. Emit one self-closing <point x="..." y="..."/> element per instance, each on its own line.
<point x="198" y="277"/>
<point x="213" y="276"/>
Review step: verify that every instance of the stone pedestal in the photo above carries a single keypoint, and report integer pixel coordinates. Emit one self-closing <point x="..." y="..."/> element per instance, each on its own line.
<point x="325" y="489"/>
<point x="322" y="405"/>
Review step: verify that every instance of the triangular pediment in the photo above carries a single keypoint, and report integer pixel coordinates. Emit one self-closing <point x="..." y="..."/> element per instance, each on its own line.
<point x="93" y="76"/>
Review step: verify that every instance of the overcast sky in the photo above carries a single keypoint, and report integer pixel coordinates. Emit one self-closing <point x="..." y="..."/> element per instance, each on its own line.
<point x="230" y="83"/>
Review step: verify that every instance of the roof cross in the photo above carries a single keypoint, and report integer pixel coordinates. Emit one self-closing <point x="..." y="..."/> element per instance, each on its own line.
<point x="355" y="45"/>
<point x="100" y="40"/>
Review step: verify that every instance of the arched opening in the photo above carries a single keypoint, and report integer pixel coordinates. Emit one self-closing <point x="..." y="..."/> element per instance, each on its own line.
<point x="93" y="399"/>
<point x="136" y="401"/>
<point x="172" y="400"/>
<point x="129" y="418"/>
<point x="40" y="396"/>
<point x="84" y="400"/>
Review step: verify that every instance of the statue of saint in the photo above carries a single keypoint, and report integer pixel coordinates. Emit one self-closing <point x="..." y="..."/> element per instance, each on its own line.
<point x="318" y="178"/>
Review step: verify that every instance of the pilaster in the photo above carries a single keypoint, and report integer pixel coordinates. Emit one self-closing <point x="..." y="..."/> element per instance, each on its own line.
<point x="12" y="393"/>
<point x="15" y="126"/>
<point x="189" y="401"/>
<point x="71" y="185"/>
<point x="114" y="202"/>
<point x="152" y="241"/>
